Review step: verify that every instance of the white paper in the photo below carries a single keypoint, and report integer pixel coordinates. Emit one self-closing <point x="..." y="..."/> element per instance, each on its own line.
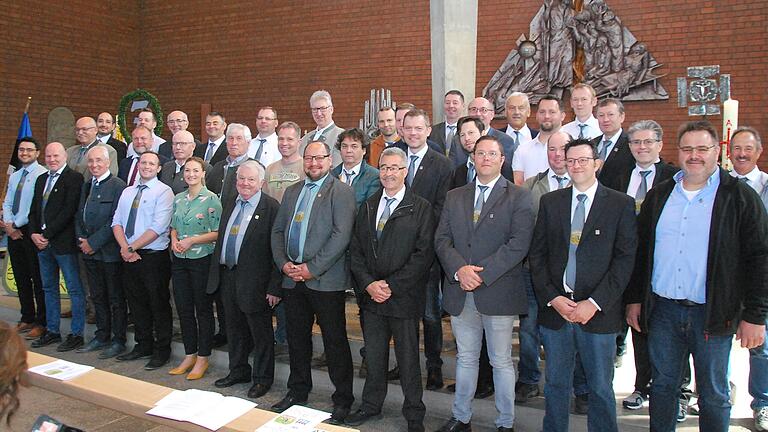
<point x="224" y="412"/>
<point x="208" y="409"/>
<point x="61" y="370"/>
<point x="295" y="419"/>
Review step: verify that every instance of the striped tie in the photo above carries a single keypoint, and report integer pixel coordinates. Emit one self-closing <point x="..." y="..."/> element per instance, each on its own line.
<point x="384" y="217"/>
<point x="479" y="204"/>
<point x="577" y="225"/>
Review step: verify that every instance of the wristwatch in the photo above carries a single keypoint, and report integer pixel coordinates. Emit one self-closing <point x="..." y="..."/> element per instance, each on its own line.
<point x="130" y="249"/>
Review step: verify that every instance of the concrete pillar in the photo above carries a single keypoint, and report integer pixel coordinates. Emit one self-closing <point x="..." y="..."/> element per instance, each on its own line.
<point x="453" y="28"/>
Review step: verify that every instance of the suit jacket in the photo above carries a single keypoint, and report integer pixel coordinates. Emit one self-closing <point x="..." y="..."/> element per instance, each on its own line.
<point x="169" y="176"/>
<point x="498" y="242"/>
<point x="620" y="160"/>
<point x="538" y="185"/>
<point x="604" y="258"/>
<point x="438" y="137"/>
<point x="328" y="233"/>
<point x="59" y="211"/>
<point x="663" y="171"/>
<point x="400" y="256"/>
<point x="256" y="273"/>
<point x="329" y="137"/>
<point x="431" y="144"/>
<point x="120" y="148"/>
<point x="460" y="174"/>
<point x="365" y="184"/>
<point x="432" y="180"/>
<point x="93" y="220"/>
<point x="459" y="156"/>
<point x="74" y="152"/>
<point x="222" y="183"/>
<point x="220" y="154"/>
<point x="375" y="149"/>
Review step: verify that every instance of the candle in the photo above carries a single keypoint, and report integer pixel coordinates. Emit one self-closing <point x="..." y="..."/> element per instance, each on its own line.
<point x="730" y="118"/>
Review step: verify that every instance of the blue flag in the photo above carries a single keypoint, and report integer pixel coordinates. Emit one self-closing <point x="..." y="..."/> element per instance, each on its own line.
<point x="25" y="130"/>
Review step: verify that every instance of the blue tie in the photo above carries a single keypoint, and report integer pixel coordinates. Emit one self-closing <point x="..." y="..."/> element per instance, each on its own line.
<point x="604" y="150"/>
<point x="577" y="225"/>
<point x="479" y="204"/>
<point x="298" y="220"/>
<point x="261" y="148"/>
<point x="384" y="217"/>
<point x="581" y="130"/>
<point x="471" y="172"/>
<point x="209" y="152"/>
<point x="517" y="138"/>
<point x="17" y="194"/>
<point x="230" y="252"/>
<point x="131" y="225"/>
<point x="411" y="170"/>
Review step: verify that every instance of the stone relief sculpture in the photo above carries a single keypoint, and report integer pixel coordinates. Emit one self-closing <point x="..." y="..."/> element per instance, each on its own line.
<point x="565" y="46"/>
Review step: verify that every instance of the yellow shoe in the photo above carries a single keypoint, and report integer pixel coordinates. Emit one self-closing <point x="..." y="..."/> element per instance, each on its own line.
<point x="187" y="364"/>
<point x="197" y="375"/>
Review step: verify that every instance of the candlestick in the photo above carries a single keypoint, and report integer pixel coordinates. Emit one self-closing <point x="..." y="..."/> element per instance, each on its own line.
<point x="730" y="118"/>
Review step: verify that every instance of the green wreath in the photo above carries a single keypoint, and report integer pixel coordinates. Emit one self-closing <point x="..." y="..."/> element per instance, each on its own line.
<point x="153" y="104"/>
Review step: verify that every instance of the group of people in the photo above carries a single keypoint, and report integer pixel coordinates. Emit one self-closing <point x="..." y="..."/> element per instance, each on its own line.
<point x="580" y="230"/>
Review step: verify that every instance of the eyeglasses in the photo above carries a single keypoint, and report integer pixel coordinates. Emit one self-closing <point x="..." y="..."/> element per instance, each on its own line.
<point x="182" y="121"/>
<point x="698" y="149"/>
<point x="582" y="161"/>
<point x="492" y="155"/>
<point x="83" y="129"/>
<point x="182" y="144"/>
<point x="322" y="108"/>
<point x="480" y="110"/>
<point x="390" y="169"/>
<point x="318" y="158"/>
<point x="645" y="142"/>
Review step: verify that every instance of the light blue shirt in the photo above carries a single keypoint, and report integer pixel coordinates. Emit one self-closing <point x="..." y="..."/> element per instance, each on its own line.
<point x="307" y="212"/>
<point x="154" y="212"/>
<point x="27" y="192"/>
<point x="682" y="242"/>
<point x="253" y="202"/>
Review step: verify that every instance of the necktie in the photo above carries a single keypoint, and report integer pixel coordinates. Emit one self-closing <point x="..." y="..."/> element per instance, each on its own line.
<point x="411" y="170"/>
<point x="17" y="194"/>
<point x="384" y="217"/>
<point x="471" y="172"/>
<point x="230" y="252"/>
<point x="134" y="171"/>
<point x="581" y="130"/>
<point x="577" y="224"/>
<point x="449" y="138"/>
<point x="298" y="221"/>
<point x="642" y="189"/>
<point x="261" y="148"/>
<point x="349" y="175"/>
<point x="561" y="181"/>
<point x="47" y="192"/>
<point x="517" y="138"/>
<point x="209" y="151"/>
<point x="604" y="150"/>
<point x="479" y="204"/>
<point x="83" y="149"/>
<point x="131" y="225"/>
<point x="744" y="180"/>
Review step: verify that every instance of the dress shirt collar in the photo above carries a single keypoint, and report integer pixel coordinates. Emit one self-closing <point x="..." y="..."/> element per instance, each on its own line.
<point x="651" y="168"/>
<point x="30" y="167"/>
<point x="149" y="184"/>
<point x="252" y="201"/>
<point x="587" y="122"/>
<point x="322" y="131"/>
<point x="590" y="192"/>
<point x="420" y="153"/>
<point x="753" y="176"/>
<point x="103" y="177"/>
<point x="615" y="138"/>
<point x="266" y="138"/>
<point x="525" y="131"/>
<point x="712" y="180"/>
<point x="58" y="171"/>
<point x="355" y="169"/>
<point x="217" y="141"/>
<point x="318" y="182"/>
<point x="399" y="195"/>
<point x="490" y="184"/>
<point x="238" y="160"/>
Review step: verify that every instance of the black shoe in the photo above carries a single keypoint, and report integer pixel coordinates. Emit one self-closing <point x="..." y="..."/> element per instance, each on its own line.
<point x="361" y="416"/>
<point x="156" y="362"/>
<point x="229" y="381"/>
<point x="454" y="425"/>
<point x="505" y="429"/>
<point x="581" y="404"/>
<point x="363" y="371"/>
<point x="70" y="343"/>
<point x="133" y="355"/>
<point x="93" y="345"/>
<point x="338" y="415"/>
<point x="258" y="390"/>
<point x="219" y="340"/>
<point x="319" y="361"/>
<point x="524" y="392"/>
<point x="287" y="402"/>
<point x="394" y="374"/>
<point x="484" y="391"/>
<point x="434" y="379"/>
<point x="113" y="351"/>
<point x="46" y="339"/>
<point x="452" y="388"/>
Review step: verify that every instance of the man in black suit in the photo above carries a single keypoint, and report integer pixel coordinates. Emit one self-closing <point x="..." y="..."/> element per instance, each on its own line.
<point x="52" y="229"/>
<point x="613" y="144"/>
<point x="101" y="254"/>
<point x="245" y="273"/>
<point x="172" y="173"/>
<point x="429" y="176"/>
<point x="484" y="110"/>
<point x="220" y="179"/>
<point x="213" y="151"/>
<point x="583" y="249"/>
<point x="128" y="169"/>
<point x="106" y="126"/>
<point x="469" y="130"/>
<point x="443" y="132"/>
<point x="177" y="121"/>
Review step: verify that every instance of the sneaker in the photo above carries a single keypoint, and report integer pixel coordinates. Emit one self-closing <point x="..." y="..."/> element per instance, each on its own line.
<point x="761" y="419"/>
<point x="634" y="401"/>
<point x="682" y="412"/>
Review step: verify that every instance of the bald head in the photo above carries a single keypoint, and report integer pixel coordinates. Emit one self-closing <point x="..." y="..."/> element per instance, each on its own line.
<point x="183" y="146"/>
<point x="85" y="130"/>
<point x="482" y="109"/>
<point x="177" y="121"/>
<point x="55" y="155"/>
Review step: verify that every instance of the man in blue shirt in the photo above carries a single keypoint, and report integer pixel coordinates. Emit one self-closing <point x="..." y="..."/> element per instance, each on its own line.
<point x="26" y="273"/>
<point x="700" y="277"/>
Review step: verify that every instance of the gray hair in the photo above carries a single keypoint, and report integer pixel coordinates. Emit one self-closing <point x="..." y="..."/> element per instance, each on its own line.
<point x="102" y="148"/>
<point x="646" y="125"/>
<point x="254" y="165"/>
<point x="321" y="94"/>
<point x="246" y="130"/>
<point x="520" y="94"/>
<point x="747" y="129"/>
<point x="394" y="151"/>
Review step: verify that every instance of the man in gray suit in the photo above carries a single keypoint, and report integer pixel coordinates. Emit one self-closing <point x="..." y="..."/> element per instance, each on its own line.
<point x="172" y="174"/>
<point x="85" y="135"/>
<point x="322" y="113"/>
<point x="483" y="236"/>
<point x="101" y="254"/>
<point x="309" y="241"/>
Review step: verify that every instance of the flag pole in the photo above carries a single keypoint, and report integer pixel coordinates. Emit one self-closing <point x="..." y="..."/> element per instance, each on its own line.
<point x="26" y="108"/>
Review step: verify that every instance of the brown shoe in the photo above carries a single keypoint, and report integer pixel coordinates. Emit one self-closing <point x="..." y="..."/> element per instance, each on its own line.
<point x="23" y="327"/>
<point x="35" y="333"/>
<point x="66" y="314"/>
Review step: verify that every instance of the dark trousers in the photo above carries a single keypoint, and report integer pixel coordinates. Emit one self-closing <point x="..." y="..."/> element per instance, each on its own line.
<point x="246" y="333"/>
<point x="302" y="305"/>
<point x="105" y="280"/>
<point x="377" y="332"/>
<point x="146" y="288"/>
<point x="433" y="320"/>
<point x="193" y="304"/>
<point x="26" y="273"/>
<point x="221" y="315"/>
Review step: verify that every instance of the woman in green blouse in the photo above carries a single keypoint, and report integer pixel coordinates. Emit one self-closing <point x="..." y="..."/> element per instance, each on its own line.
<point x="194" y="226"/>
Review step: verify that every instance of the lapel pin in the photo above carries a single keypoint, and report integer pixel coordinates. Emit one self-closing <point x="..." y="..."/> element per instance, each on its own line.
<point x="257" y="217"/>
<point x="490" y="215"/>
<point x="319" y="195"/>
<point x="597" y="232"/>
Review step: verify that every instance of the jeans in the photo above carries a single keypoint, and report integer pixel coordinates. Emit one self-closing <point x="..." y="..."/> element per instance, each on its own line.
<point x="468" y="328"/>
<point x="758" y="374"/>
<point x="50" y="263"/>
<point x="528" y="367"/>
<point x="433" y="324"/>
<point x="675" y="331"/>
<point x="597" y="352"/>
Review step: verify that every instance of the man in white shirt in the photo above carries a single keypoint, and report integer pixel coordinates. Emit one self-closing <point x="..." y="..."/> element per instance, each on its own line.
<point x="263" y="147"/>
<point x="531" y="157"/>
<point x="583" y="101"/>
<point x="147" y="118"/>
<point x="517" y="109"/>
